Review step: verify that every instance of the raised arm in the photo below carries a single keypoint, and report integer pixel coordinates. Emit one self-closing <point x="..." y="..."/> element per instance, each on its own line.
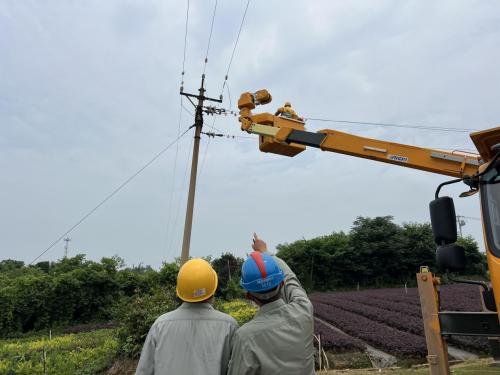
<point x="292" y="292"/>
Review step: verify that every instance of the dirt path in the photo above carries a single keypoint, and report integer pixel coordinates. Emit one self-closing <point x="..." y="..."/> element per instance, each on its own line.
<point x="461" y="354"/>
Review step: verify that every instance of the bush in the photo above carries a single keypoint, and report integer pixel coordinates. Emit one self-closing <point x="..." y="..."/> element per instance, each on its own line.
<point x="73" y="354"/>
<point x="240" y="310"/>
<point x="136" y="315"/>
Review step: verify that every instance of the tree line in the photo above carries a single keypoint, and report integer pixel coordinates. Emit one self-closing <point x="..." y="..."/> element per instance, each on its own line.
<point x="375" y="252"/>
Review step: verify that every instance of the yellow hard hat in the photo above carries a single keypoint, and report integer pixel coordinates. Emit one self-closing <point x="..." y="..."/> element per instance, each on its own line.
<point x="288" y="104"/>
<point x="196" y="281"/>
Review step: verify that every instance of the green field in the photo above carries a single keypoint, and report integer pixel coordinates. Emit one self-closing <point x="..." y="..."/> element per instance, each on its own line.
<point x="72" y="354"/>
<point x="81" y="353"/>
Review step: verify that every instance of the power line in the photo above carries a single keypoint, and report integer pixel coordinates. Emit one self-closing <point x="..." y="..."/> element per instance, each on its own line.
<point x="420" y="127"/>
<point x="229" y="96"/>
<point x="222" y="135"/>
<point x="174" y="172"/>
<point x="109" y="196"/>
<point x="235" y="45"/>
<point x="210" y="36"/>
<point x="213" y="127"/>
<point x="185" y="44"/>
<point x="206" y="148"/>
<point x="185" y="109"/>
<point x="184" y="186"/>
<point x="469" y="217"/>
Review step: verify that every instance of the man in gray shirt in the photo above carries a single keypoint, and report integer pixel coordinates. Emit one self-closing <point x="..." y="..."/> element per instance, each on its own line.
<point x="279" y="339"/>
<point x="195" y="338"/>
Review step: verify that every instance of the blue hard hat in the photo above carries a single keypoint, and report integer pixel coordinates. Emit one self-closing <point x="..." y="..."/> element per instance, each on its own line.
<point x="260" y="273"/>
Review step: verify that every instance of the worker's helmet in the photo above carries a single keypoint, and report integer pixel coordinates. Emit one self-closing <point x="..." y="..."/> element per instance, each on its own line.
<point x="260" y="273"/>
<point x="288" y="104"/>
<point x="196" y="281"/>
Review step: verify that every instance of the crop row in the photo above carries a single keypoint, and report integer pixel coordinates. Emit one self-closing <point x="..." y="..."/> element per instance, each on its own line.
<point x="460" y="297"/>
<point x="393" y="319"/>
<point x="335" y="340"/>
<point x="375" y="333"/>
<point x="457" y="297"/>
<point x="394" y="308"/>
<point x="366" y="299"/>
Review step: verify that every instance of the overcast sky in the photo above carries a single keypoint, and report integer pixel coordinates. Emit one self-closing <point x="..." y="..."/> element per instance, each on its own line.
<point x="89" y="92"/>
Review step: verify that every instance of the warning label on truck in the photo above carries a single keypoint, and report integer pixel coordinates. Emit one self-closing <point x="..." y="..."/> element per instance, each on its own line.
<point x="401" y="159"/>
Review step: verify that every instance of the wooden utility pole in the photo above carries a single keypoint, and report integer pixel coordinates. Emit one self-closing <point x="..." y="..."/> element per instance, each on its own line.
<point x="198" y="125"/>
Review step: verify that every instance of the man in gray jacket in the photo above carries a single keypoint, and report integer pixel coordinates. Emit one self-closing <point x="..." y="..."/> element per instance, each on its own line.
<point x="194" y="339"/>
<point x="279" y="339"/>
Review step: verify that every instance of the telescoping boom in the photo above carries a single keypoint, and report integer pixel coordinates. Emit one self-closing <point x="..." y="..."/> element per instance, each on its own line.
<point x="287" y="136"/>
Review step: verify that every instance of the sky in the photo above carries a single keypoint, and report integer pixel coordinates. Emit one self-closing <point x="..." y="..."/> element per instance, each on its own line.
<point x="89" y="93"/>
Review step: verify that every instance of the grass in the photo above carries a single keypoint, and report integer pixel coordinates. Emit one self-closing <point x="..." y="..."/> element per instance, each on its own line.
<point x="348" y="360"/>
<point x="72" y="354"/>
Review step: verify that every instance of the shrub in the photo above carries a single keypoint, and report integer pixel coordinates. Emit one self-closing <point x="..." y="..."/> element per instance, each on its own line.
<point x="73" y="354"/>
<point x="240" y="310"/>
<point x="136" y="315"/>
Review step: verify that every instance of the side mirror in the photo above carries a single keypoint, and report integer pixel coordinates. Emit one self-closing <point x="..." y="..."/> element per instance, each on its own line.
<point x="450" y="258"/>
<point x="449" y="255"/>
<point x="443" y="220"/>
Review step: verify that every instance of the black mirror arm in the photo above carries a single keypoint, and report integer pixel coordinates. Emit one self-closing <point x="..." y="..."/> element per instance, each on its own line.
<point x="472" y="181"/>
<point x="446" y="183"/>
<point x="483" y="284"/>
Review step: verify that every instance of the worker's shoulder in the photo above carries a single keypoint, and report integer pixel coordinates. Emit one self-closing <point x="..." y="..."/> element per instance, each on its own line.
<point x="204" y="314"/>
<point x="285" y="315"/>
<point x="253" y="328"/>
<point x="219" y="315"/>
<point x="166" y="317"/>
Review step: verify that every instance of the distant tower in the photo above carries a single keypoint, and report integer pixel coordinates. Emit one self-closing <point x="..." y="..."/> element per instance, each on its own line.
<point x="66" y="246"/>
<point x="460" y="223"/>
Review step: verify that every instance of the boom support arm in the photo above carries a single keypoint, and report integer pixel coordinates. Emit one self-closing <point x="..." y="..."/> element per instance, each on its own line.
<point x="288" y="137"/>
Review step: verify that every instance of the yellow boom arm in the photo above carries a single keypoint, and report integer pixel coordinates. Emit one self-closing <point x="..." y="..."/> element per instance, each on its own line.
<point x="286" y="136"/>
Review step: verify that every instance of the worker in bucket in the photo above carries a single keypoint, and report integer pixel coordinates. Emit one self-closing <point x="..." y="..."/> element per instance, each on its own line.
<point x="195" y="338"/>
<point x="288" y="112"/>
<point x="279" y="339"/>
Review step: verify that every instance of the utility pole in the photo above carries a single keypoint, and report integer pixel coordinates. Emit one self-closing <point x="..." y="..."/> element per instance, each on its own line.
<point x="66" y="246"/>
<point x="198" y="125"/>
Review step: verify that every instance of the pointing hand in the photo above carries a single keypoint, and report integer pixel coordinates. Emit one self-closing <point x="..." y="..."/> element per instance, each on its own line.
<point x="258" y="244"/>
